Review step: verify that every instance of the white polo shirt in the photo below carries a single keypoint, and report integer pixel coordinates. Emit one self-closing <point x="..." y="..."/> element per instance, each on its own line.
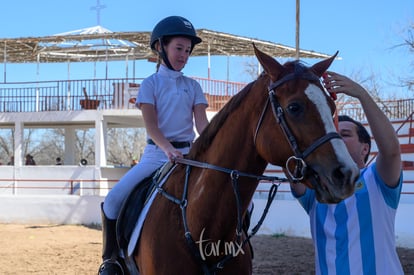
<point x="174" y="97"/>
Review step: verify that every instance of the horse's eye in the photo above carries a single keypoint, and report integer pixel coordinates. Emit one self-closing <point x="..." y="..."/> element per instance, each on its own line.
<point x="294" y="109"/>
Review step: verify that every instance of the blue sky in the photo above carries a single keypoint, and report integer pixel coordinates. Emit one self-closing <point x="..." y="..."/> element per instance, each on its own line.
<point x="362" y="31"/>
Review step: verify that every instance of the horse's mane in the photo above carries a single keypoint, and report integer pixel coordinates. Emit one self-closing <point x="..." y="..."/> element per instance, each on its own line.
<point x="208" y="134"/>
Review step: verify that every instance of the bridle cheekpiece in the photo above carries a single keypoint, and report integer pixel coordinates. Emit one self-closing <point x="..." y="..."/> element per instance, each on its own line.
<point x="299" y="157"/>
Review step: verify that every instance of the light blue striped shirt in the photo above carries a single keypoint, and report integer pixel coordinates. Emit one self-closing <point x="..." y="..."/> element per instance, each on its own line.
<point x="356" y="236"/>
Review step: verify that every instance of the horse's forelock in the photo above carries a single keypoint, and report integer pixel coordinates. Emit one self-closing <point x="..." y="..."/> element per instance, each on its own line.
<point x="297" y="67"/>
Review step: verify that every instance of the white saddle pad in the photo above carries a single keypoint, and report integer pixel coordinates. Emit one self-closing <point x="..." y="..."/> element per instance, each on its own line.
<point x="138" y="226"/>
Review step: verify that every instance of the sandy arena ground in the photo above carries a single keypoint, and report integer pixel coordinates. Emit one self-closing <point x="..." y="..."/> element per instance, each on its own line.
<point x="71" y="249"/>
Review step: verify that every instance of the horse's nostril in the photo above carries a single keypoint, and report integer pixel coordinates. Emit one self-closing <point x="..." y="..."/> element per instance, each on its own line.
<point x="343" y="176"/>
<point x="339" y="174"/>
<point x="345" y="179"/>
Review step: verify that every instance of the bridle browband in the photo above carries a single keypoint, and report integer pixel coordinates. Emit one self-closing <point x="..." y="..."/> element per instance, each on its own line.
<point x="298" y="157"/>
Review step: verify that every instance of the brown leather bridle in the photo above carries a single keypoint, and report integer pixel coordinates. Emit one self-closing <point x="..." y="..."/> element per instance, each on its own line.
<point x="299" y="157"/>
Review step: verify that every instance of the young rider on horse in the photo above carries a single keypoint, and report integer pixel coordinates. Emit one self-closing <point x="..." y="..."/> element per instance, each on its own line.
<point x="169" y="101"/>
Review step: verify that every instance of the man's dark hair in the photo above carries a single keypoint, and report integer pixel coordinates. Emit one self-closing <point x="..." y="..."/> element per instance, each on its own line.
<point x="363" y="135"/>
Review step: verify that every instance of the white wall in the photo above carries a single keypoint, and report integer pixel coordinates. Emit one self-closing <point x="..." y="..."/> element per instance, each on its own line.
<point x="284" y="217"/>
<point x="50" y="209"/>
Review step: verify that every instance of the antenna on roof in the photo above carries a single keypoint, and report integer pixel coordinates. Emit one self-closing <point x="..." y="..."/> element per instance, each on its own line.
<point x="98" y="9"/>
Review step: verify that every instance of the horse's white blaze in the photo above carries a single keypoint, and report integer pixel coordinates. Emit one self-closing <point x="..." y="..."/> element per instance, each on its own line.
<point x="317" y="96"/>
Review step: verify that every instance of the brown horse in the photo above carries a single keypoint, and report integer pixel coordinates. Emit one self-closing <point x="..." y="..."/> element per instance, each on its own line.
<point x="283" y="118"/>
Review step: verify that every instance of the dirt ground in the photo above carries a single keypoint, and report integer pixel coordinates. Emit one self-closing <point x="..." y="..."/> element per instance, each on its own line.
<point x="70" y="249"/>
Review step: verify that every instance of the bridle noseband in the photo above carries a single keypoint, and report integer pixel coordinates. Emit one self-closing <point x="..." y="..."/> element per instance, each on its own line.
<point x="299" y="157"/>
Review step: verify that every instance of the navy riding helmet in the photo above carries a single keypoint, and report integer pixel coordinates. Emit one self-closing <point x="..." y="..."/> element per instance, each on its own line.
<point x="173" y="26"/>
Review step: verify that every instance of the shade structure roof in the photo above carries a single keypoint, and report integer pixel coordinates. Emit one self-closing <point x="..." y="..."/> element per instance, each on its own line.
<point x="99" y="44"/>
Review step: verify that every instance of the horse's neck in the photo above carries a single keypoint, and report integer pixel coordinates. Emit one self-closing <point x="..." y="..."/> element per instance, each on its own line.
<point x="234" y="145"/>
<point x="233" y="148"/>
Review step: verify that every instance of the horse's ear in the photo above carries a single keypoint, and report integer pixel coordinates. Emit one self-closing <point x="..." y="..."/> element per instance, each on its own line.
<point x="322" y="66"/>
<point x="269" y="64"/>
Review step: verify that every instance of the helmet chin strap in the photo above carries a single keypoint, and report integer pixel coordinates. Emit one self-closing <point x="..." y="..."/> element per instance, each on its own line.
<point x="164" y="56"/>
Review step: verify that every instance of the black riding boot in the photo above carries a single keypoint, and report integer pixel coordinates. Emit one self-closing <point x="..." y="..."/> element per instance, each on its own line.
<point x="110" y="251"/>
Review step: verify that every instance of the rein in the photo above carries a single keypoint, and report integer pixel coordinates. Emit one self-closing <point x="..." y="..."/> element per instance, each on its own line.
<point x="234" y="175"/>
<point x="299" y="157"/>
<point x="225" y="170"/>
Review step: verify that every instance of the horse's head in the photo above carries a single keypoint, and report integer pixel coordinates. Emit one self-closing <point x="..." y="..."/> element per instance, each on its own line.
<point x="312" y="151"/>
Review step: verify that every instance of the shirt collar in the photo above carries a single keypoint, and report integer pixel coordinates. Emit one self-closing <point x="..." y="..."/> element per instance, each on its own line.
<point x="164" y="71"/>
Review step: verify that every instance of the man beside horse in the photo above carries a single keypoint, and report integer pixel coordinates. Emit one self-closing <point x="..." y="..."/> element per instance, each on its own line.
<point x="356" y="236"/>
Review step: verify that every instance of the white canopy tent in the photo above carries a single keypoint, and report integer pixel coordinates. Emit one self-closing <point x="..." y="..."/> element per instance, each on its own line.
<point x="98" y="44"/>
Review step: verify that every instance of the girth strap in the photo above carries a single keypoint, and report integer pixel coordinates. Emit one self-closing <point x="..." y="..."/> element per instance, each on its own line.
<point x="234" y="174"/>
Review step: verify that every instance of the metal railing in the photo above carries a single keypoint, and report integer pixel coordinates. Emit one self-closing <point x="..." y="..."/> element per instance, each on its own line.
<point x="72" y="95"/>
<point x="393" y="109"/>
<point x="69" y="95"/>
<point x="93" y="186"/>
<point x="63" y="95"/>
